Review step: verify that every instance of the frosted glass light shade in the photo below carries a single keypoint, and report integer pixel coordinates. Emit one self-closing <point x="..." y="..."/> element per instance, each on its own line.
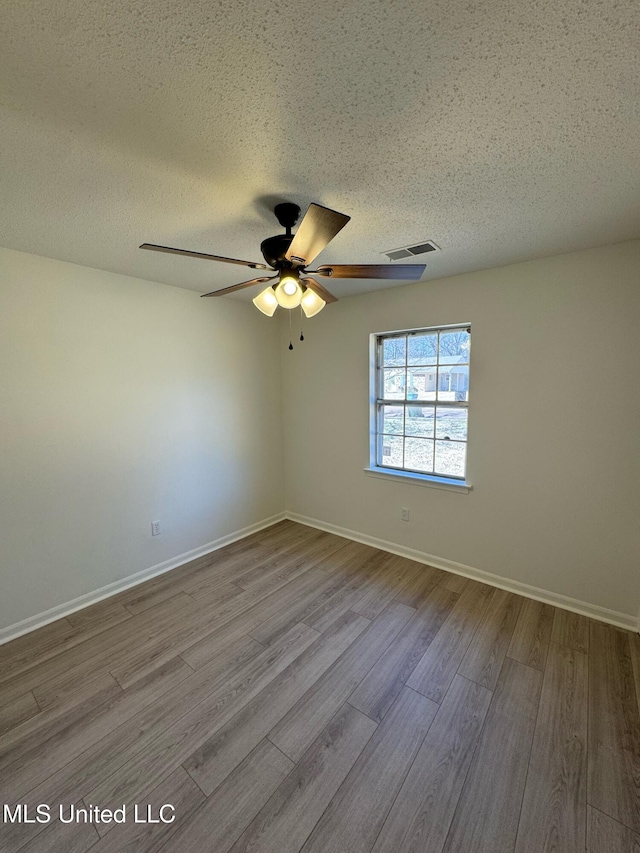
<point x="266" y="302"/>
<point x="311" y="303"/>
<point x="288" y="293"/>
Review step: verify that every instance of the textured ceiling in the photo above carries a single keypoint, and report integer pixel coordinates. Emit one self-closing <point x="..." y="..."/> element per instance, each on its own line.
<point x="502" y="130"/>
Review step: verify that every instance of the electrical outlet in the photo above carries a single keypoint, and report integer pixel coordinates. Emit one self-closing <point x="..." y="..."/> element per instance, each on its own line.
<point x="155" y="528"/>
<point x="404" y="513"/>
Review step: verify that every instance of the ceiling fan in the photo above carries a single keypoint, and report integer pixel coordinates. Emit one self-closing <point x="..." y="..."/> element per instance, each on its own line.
<point x="288" y="255"/>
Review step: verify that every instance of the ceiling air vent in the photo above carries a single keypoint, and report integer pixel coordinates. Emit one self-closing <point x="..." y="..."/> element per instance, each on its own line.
<point x="411" y="251"/>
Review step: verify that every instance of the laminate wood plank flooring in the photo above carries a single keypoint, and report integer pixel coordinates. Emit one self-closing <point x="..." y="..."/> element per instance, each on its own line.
<point x="230" y="564"/>
<point x="318" y="553"/>
<point x="456" y="583"/>
<point x="306" y="605"/>
<point x="486" y="818"/>
<point x="37" y="730"/>
<point x="292" y="559"/>
<point x="59" y="693"/>
<point x="190" y="709"/>
<point x="177" y="790"/>
<point x="143" y="768"/>
<point x="286" y="820"/>
<point x="70" y="667"/>
<point x="294" y="733"/>
<point x="420" y="585"/>
<point x="228" y="812"/>
<point x="614" y="727"/>
<point x="33" y="649"/>
<point x="18" y="711"/>
<point x="240" y="616"/>
<point x="435" y="671"/>
<point x="107" y="612"/>
<point x="287" y="562"/>
<point x="378" y="690"/>
<point x="231" y="618"/>
<point x="59" y="836"/>
<point x="425" y="806"/>
<point x="555" y="803"/>
<point x="634" y="650"/>
<point x="355" y="568"/>
<point x="111" y="650"/>
<point x="296" y="691"/>
<point x="570" y="630"/>
<point x="216" y="758"/>
<point x="606" y="835"/>
<point x="36" y="646"/>
<point x="29" y="761"/>
<point x="394" y="574"/>
<point x="530" y="642"/>
<point x="488" y="648"/>
<point x="356" y="814"/>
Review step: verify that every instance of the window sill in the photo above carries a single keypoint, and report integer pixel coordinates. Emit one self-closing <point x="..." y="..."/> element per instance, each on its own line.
<point x="419" y="479"/>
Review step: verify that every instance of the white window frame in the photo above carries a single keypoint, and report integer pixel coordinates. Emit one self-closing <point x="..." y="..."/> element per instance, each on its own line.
<point x="376" y="400"/>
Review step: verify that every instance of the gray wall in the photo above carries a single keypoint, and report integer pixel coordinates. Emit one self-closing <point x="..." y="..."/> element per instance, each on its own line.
<point x="553" y="424"/>
<point x="124" y="402"/>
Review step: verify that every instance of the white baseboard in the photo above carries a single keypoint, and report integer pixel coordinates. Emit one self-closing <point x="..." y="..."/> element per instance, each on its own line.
<point x="61" y="610"/>
<point x="593" y="611"/>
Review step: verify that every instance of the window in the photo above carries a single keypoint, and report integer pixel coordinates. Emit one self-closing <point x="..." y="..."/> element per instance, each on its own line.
<point x="421" y="401"/>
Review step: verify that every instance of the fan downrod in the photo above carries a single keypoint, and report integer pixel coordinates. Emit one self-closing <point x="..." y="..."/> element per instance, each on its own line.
<point x="274" y="249"/>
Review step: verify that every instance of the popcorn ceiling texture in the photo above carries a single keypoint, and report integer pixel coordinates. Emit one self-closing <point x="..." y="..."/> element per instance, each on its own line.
<point x="501" y="130"/>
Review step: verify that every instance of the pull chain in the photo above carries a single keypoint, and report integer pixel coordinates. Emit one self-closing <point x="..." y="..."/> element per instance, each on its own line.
<point x="301" y="335"/>
<point x="290" y="334"/>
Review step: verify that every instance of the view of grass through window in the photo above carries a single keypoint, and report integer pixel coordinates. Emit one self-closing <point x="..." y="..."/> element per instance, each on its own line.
<point x="422" y="381"/>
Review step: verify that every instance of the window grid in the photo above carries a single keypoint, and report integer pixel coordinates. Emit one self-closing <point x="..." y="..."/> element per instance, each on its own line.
<point x="433" y="448"/>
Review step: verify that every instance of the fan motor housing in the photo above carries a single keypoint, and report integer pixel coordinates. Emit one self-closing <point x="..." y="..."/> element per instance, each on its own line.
<point x="274" y="250"/>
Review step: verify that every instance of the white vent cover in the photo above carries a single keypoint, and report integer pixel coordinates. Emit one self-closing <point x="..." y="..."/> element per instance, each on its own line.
<point x="412" y="251"/>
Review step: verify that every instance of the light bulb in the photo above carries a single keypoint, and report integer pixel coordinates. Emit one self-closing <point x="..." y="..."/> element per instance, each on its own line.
<point x="266" y="302"/>
<point x="288" y="292"/>
<point x="311" y="303"/>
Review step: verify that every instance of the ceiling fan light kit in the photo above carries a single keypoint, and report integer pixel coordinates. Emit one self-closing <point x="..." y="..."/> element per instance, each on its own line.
<point x="266" y="302"/>
<point x="289" y="254"/>
<point x="288" y="292"/>
<point x="311" y="303"/>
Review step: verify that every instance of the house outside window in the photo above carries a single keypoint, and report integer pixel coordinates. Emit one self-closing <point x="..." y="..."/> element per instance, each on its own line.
<point x="421" y="388"/>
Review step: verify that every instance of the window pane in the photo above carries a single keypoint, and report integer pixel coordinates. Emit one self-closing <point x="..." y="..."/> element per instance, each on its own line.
<point x="394" y="380"/>
<point x="453" y="383"/>
<point x="450" y="456"/>
<point x="454" y="346"/>
<point x="390" y="451"/>
<point x="459" y="381"/>
<point x="423" y="349"/>
<point x="394" y="351"/>
<point x="418" y="454"/>
<point x="391" y="419"/>
<point x="451" y="423"/>
<point x="444" y="384"/>
<point x="419" y="421"/>
<point x="421" y="383"/>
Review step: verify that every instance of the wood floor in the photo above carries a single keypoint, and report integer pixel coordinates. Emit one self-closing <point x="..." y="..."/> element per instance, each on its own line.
<point x="299" y="692"/>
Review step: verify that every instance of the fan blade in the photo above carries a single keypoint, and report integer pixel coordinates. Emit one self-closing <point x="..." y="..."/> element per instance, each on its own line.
<point x="321" y="291"/>
<point x="233" y="287"/>
<point x="189" y="254"/>
<point x="319" y="226"/>
<point x="402" y="272"/>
